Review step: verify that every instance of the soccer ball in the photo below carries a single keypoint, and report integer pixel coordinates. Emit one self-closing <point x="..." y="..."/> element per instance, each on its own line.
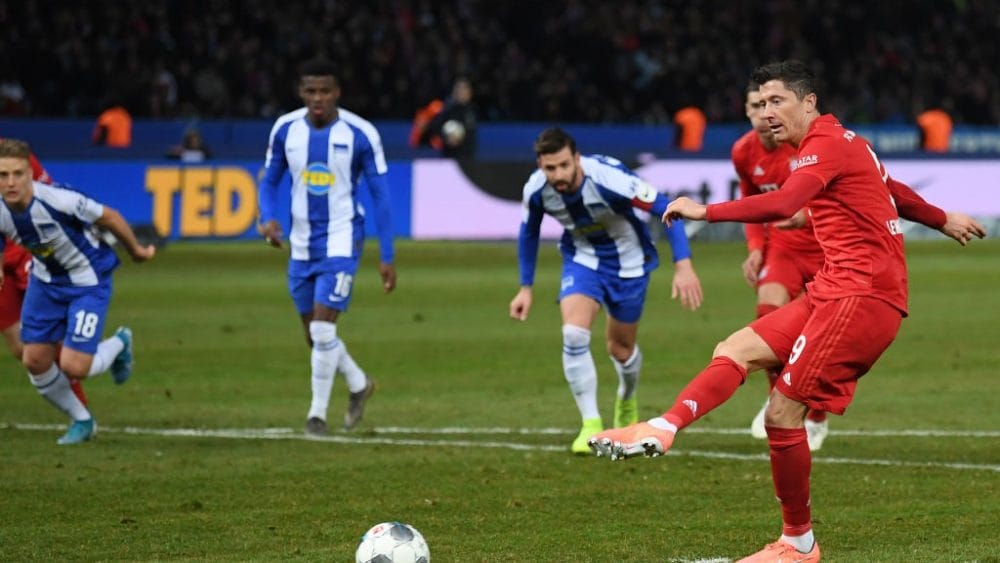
<point x="453" y="132"/>
<point x="392" y="542"/>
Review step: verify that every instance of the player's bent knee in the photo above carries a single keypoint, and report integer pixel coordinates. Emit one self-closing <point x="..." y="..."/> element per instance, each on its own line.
<point x="79" y="374"/>
<point x="619" y="351"/>
<point x="746" y="348"/>
<point x="575" y="337"/>
<point x="34" y="365"/>
<point x="75" y="364"/>
<point x="77" y="368"/>
<point x="322" y="332"/>
<point x="731" y="348"/>
<point x="35" y="362"/>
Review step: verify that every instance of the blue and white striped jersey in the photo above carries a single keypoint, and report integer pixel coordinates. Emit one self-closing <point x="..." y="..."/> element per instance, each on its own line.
<point x="58" y="229"/>
<point x="326" y="166"/>
<point x="602" y="232"/>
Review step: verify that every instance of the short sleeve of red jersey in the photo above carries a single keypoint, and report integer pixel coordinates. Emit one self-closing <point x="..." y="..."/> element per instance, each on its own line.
<point x="821" y="156"/>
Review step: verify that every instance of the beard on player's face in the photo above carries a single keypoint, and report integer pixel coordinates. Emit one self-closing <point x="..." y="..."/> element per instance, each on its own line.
<point x="566" y="180"/>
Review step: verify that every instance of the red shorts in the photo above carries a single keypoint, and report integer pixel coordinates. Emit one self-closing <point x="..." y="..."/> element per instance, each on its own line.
<point x="10" y="304"/>
<point x="827" y="346"/>
<point x="16" y="269"/>
<point x="793" y="270"/>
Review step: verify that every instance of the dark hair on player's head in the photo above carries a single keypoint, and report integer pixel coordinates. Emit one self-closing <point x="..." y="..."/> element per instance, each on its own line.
<point x="14" y="148"/>
<point x="796" y="76"/>
<point x="752" y="87"/>
<point x="553" y="140"/>
<point x="318" y="67"/>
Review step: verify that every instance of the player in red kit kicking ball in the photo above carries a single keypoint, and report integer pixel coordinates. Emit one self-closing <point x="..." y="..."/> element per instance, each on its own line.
<point x="16" y="271"/>
<point x="782" y="256"/>
<point x="830" y="337"/>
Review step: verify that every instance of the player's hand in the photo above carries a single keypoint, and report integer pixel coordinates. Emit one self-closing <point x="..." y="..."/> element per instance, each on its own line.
<point x="271" y="231"/>
<point x="521" y="304"/>
<point x="962" y="228"/>
<point x="143" y="253"/>
<point x="797" y="221"/>
<point x="751" y="267"/>
<point x="388" y="273"/>
<point x="686" y="285"/>
<point x="683" y="208"/>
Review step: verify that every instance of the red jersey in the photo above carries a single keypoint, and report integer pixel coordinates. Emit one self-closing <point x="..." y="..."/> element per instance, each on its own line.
<point x="38" y="173"/>
<point x="760" y="171"/>
<point x="854" y="217"/>
<point x="16" y="265"/>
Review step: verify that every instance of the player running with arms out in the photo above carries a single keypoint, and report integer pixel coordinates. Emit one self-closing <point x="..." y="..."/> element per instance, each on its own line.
<point x="17" y="272"/>
<point x="608" y="255"/>
<point x="850" y="313"/>
<point x="327" y="150"/>
<point x="67" y="299"/>
<point x="782" y="256"/>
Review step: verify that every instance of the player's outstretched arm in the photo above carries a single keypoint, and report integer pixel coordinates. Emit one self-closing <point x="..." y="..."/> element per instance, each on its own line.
<point x="683" y="208"/>
<point x="962" y="228"/>
<point x="113" y="221"/>
<point x="911" y="206"/>
<point x="794" y="194"/>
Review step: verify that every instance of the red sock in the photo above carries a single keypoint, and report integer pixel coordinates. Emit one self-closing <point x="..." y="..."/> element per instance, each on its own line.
<point x="816" y="415"/>
<point x="709" y="389"/>
<point x="763" y="309"/>
<point x="77" y="388"/>
<point x="791" y="463"/>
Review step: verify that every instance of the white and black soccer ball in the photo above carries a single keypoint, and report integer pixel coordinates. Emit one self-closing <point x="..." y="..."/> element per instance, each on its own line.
<point x="392" y="542"/>
<point x="453" y="132"/>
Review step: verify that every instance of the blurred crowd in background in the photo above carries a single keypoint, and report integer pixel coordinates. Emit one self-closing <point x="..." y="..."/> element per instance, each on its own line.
<point x="625" y="61"/>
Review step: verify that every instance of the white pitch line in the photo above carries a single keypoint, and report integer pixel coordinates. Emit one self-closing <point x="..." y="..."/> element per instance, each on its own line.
<point x="931" y="433"/>
<point x="497" y="430"/>
<point x="291" y="434"/>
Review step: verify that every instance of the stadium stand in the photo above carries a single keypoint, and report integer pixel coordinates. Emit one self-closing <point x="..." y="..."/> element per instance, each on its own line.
<point x="634" y="61"/>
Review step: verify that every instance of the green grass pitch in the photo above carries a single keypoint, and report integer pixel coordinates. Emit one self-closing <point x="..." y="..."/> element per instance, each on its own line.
<point x="911" y="473"/>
